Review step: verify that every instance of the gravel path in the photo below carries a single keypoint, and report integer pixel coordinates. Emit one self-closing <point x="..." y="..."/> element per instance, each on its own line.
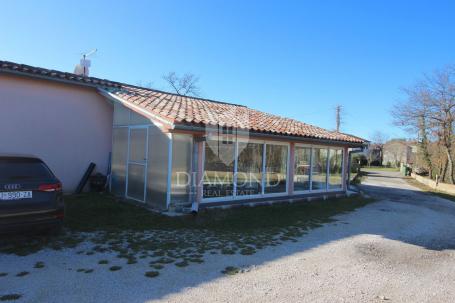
<point x="400" y="249"/>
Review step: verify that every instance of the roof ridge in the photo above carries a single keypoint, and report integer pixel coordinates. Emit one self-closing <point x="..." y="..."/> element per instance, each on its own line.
<point x="192" y="110"/>
<point x="115" y="83"/>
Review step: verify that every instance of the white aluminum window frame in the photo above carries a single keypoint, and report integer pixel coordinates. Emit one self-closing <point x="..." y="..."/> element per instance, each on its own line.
<point x="145" y="164"/>
<point x="342" y="170"/>
<point x="234" y="195"/>
<point x="310" y="177"/>
<point x="327" y="189"/>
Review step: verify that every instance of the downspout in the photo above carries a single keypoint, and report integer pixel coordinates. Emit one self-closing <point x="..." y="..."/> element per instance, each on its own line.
<point x="351" y="152"/>
<point x="198" y="153"/>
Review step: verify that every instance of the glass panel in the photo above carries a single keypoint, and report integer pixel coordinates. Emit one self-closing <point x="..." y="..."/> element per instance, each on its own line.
<point x="18" y="169"/>
<point x="121" y="114"/>
<point x="138" y="119"/>
<point x="218" y="168"/>
<point x="319" y="176"/>
<point x="157" y="168"/>
<point x="182" y="149"/>
<point x="302" y="168"/>
<point x="136" y="182"/>
<point x="276" y="168"/>
<point x="138" y="139"/>
<point x="119" y="155"/>
<point x="335" y="168"/>
<point x="249" y="168"/>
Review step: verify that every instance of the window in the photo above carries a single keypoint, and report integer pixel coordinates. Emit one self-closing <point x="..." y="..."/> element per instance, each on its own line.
<point x="218" y="169"/>
<point x="335" y="168"/>
<point x="319" y="177"/>
<point x="276" y="168"/>
<point x="17" y="169"/>
<point x="302" y="168"/>
<point x="249" y="168"/>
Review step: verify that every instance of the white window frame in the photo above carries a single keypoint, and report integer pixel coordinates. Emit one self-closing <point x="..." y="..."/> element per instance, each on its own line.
<point x="145" y="164"/>
<point x="342" y="170"/>
<point x="328" y="148"/>
<point x="234" y="195"/>
<point x="310" y="177"/>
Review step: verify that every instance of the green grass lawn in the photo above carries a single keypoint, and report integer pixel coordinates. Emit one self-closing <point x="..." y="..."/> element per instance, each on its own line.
<point x="102" y="212"/>
<point x="379" y="168"/>
<point x="133" y="233"/>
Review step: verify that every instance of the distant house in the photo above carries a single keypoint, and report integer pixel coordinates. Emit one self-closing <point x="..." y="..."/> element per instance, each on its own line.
<point x="399" y="151"/>
<point x="374" y="154"/>
<point x="167" y="150"/>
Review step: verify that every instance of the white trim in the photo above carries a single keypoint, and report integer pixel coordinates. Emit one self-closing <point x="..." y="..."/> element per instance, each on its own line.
<point x="144" y="164"/>
<point x="169" y="172"/>
<point x="285" y="193"/>
<point x="234" y="177"/>
<point x="311" y="168"/>
<point x="342" y="171"/>
<point x="288" y="170"/>
<point x="136" y="108"/>
<point x="127" y="166"/>
<point x="134" y="125"/>
<point x="263" y="194"/>
<point x="327" y="170"/>
<point x="264" y="155"/>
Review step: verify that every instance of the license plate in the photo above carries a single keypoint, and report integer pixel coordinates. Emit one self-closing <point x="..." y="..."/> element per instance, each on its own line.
<point x="15" y="195"/>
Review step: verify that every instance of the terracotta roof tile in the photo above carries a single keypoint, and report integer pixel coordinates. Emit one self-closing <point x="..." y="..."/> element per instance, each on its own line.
<point x="191" y="110"/>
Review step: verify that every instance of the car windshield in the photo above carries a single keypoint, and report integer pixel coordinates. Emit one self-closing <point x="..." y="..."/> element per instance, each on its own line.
<point x="23" y="170"/>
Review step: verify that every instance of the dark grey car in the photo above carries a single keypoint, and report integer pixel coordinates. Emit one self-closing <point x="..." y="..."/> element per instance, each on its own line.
<point x="31" y="196"/>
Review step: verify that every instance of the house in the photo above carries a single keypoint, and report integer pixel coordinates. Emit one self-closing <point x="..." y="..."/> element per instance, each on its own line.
<point x="398" y="151"/>
<point x="167" y="151"/>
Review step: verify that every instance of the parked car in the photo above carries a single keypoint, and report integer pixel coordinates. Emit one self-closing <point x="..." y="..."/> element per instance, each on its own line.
<point x="31" y="196"/>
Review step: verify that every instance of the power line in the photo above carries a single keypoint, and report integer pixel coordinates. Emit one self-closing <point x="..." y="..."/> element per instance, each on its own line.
<point x="338" y="109"/>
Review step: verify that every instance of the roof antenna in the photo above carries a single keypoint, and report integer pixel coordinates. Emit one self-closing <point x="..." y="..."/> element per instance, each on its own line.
<point x="82" y="69"/>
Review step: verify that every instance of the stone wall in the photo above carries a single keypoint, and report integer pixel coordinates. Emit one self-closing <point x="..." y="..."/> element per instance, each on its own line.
<point x="443" y="187"/>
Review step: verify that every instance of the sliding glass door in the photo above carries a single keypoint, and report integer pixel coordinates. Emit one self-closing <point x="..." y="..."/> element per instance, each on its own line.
<point x="335" y="168"/>
<point x="319" y="169"/>
<point x="249" y="169"/>
<point x="302" y="168"/>
<point x="218" y="169"/>
<point x="276" y="164"/>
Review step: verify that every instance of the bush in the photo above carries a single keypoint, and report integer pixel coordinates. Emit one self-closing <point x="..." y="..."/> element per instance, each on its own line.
<point x="421" y="171"/>
<point x="354" y="168"/>
<point x="375" y="163"/>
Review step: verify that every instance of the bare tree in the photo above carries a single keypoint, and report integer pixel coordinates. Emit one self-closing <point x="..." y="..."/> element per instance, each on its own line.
<point x="429" y="112"/>
<point x="186" y="85"/>
<point x="378" y="139"/>
<point x="148" y="84"/>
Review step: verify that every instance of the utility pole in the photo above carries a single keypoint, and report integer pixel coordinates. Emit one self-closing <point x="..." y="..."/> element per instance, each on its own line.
<point x="338" y="116"/>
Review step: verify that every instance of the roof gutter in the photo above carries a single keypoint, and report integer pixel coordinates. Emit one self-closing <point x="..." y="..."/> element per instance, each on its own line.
<point x="44" y="77"/>
<point x="134" y="107"/>
<point x="290" y="138"/>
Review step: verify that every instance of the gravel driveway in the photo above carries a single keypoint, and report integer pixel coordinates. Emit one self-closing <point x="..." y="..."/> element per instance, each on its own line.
<point x="399" y="249"/>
